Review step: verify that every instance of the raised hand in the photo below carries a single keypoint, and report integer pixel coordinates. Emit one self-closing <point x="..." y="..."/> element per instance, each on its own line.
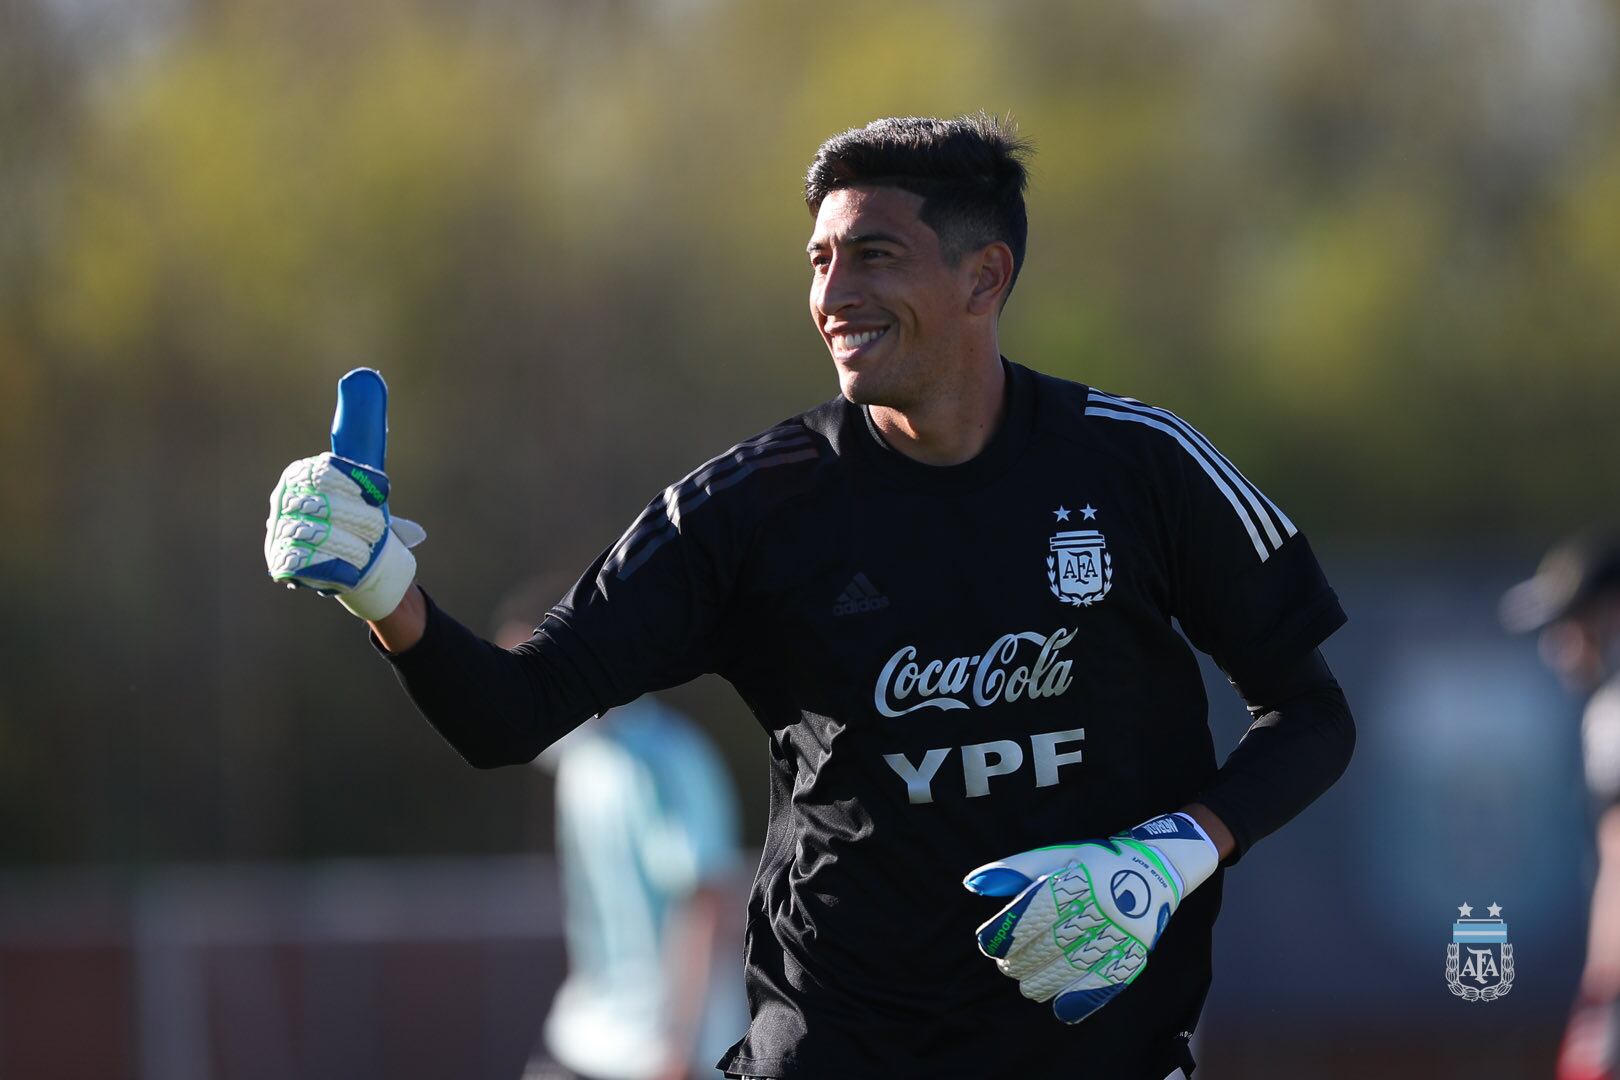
<point x="329" y="527"/>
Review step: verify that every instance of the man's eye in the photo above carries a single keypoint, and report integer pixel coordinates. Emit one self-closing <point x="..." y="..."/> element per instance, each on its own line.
<point x="871" y="254"/>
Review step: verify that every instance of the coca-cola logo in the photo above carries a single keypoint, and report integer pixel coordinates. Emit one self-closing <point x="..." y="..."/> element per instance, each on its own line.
<point x="965" y="681"/>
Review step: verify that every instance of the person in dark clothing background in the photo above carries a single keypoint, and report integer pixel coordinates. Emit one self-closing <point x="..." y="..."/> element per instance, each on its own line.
<point x="1573" y="603"/>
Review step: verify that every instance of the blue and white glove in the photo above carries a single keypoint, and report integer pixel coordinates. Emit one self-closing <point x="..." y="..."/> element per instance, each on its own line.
<point x="329" y="527"/>
<point x="1085" y="916"/>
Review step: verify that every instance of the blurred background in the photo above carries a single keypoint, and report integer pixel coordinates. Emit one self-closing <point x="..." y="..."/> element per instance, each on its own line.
<point x="1371" y="247"/>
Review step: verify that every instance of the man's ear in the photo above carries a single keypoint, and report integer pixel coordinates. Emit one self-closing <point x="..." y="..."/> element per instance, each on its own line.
<point x="992" y="277"/>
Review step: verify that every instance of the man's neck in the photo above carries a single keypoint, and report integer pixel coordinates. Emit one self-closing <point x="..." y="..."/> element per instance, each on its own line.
<point x="955" y="424"/>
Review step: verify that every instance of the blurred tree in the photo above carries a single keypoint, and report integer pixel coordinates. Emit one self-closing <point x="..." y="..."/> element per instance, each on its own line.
<point x="1370" y="247"/>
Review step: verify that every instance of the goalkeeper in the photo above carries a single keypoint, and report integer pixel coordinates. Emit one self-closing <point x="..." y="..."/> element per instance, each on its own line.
<point x="949" y="596"/>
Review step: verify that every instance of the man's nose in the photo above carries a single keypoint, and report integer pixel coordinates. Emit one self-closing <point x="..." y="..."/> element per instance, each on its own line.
<point x="837" y="288"/>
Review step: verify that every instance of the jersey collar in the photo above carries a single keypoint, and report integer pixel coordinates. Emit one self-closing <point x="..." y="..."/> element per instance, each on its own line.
<point x="999" y="454"/>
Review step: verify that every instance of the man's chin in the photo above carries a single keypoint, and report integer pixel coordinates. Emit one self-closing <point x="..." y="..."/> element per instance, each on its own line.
<point x="860" y="389"/>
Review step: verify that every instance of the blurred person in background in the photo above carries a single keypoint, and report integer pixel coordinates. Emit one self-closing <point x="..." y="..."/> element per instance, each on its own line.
<point x="1573" y="601"/>
<point x="647" y="848"/>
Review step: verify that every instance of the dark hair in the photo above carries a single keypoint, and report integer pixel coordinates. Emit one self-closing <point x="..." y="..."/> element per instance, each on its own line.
<point x="969" y="171"/>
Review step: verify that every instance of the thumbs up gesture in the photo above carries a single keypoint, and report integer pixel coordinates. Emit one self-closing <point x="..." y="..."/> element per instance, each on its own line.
<point x="329" y="527"/>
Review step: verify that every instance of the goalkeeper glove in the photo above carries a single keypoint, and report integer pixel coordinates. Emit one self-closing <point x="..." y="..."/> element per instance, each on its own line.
<point x="1086" y="915"/>
<point x="329" y="527"/>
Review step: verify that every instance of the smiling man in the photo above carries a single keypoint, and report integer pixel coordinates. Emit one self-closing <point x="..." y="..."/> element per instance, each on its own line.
<point x="893" y="318"/>
<point x="947" y="595"/>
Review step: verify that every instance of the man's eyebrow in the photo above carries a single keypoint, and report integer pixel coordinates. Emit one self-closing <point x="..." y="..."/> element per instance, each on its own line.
<point x="858" y="238"/>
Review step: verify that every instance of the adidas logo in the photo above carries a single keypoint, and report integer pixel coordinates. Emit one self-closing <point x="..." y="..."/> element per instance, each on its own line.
<point x="859" y="596"/>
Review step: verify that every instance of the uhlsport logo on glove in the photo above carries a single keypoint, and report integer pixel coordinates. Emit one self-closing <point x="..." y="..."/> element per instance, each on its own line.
<point x="1479" y="960"/>
<point x="1130" y="892"/>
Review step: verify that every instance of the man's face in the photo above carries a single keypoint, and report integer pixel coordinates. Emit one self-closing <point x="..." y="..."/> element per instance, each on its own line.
<point x="883" y="297"/>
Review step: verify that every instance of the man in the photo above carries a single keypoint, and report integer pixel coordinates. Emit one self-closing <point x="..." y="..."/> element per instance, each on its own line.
<point x="947" y="596"/>
<point x="1573" y="601"/>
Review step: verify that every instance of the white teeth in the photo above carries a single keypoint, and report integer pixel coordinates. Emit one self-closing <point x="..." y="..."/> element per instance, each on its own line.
<point x="855" y="341"/>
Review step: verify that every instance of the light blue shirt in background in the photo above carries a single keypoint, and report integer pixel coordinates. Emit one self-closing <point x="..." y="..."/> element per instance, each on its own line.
<point x="645" y="814"/>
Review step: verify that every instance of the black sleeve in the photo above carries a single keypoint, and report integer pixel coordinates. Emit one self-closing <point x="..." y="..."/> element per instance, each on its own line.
<point x="1248" y="590"/>
<point x="495" y="706"/>
<point x="1298" y="745"/>
<point x="643" y="617"/>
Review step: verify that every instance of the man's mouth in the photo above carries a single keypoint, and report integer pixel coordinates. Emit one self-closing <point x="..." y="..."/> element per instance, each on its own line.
<point x="848" y="344"/>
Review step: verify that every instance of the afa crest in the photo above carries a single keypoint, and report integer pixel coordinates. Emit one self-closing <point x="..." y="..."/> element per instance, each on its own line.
<point x="1479" y="960"/>
<point x="1079" y="569"/>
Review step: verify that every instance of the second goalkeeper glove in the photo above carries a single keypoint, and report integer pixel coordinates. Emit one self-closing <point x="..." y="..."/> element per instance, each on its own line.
<point x="1085" y="916"/>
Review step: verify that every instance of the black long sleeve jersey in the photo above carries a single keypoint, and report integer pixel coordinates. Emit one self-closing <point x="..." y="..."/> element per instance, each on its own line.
<point x="952" y="664"/>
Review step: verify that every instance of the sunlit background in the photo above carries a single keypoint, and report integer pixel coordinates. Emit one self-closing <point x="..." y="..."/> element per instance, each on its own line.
<point x="1371" y="247"/>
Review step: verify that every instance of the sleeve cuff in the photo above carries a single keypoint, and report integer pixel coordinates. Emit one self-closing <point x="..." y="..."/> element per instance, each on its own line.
<point x="1242" y="837"/>
<point x="429" y="645"/>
